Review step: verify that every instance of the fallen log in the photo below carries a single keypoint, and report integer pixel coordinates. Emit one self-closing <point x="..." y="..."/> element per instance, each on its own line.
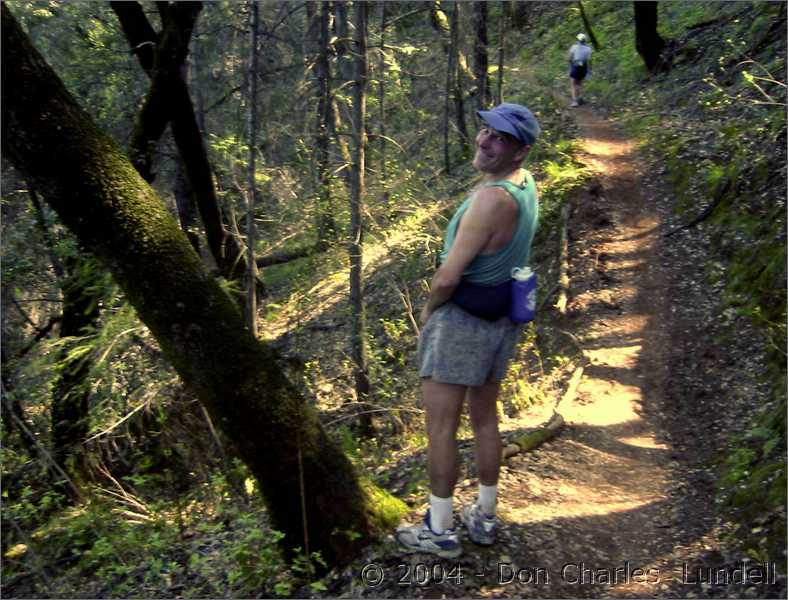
<point x="532" y="438"/>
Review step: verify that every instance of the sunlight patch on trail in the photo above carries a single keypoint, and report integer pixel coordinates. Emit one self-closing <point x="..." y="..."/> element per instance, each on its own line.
<point x="643" y="442"/>
<point x="607" y="148"/>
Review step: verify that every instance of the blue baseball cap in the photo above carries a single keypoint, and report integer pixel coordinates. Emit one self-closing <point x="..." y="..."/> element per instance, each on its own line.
<point x="514" y="119"/>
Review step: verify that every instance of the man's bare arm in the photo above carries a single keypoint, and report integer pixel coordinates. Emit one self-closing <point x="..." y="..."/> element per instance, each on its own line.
<point x="490" y="208"/>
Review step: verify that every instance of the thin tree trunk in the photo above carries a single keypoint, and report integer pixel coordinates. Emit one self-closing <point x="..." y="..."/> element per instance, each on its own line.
<point x="344" y="74"/>
<point x="251" y="186"/>
<point x="309" y="486"/>
<point x="450" y="74"/>
<point x="382" y="103"/>
<point x="57" y="266"/>
<point x="480" y="61"/>
<point x="520" y="11"/>
<point x="82" y="287"/>
<point x="459" y="102"/>
<point x="587" y="26"/>
<point x="326" y="226"/>
<point x="184" y="202"/>
<point x="356" y="245"/>
<point x="502" y="27"/>
<point x="648" y="42"/>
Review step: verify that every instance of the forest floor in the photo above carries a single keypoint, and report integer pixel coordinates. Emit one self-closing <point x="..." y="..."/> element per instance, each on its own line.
<point x="621" y="502"/>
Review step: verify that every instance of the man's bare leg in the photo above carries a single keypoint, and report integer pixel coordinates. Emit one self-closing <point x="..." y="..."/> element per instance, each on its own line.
<point x="443" y="403"/>
<point x="484" y="419"/>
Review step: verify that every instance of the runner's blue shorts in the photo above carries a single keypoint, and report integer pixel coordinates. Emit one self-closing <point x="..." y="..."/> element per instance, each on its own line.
<point x="578" y="72"/>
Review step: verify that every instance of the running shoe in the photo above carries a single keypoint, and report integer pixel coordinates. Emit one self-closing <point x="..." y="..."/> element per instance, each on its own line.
<point x="481" y="528"/>
<point x="421" y="538"/>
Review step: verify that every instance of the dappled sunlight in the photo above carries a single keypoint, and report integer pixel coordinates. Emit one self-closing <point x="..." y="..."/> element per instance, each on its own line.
<point x="302" y="306"/>
<point x="643" y="441"/>
<point x="608" y="403"/>
<point x="607" y="148"/>
<point x="583" y="505"/>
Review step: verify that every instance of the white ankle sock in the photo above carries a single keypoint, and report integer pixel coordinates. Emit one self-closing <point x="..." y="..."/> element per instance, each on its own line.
<point x="488" y="496"/>
<point x="441" y="517"/>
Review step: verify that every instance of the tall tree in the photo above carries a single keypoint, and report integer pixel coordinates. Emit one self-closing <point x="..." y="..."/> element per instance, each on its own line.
<point x="309" y="486"/>
<point x="459" y="101"/>
<point x="503" y="25"/>
<point x="319" y="14"/>
<point x="648" y="42"/>
<point x="480" y="60"/>
<point x="358" y="339"/>
<point x="251" y="186"/>
<point x="382" y="102"/>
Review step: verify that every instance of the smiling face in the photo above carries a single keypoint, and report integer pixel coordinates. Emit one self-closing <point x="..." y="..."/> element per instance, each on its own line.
<point x="497" y="153"/>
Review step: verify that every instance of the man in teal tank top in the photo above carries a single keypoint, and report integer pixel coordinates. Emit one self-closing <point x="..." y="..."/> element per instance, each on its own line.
<point x="467" y="338"/>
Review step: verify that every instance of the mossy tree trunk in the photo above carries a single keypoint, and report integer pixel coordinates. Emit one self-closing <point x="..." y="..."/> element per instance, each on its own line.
<point x="100" y="197"/>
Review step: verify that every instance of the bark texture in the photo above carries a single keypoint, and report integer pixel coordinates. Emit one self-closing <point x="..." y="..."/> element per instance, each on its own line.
<point x="100" y="197"/>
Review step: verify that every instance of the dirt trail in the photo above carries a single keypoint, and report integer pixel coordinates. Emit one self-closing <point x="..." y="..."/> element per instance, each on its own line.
<point x="589" y="513"/>
<point x="620" y="504"/>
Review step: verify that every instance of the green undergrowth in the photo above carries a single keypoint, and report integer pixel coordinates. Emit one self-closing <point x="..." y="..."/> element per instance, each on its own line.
<point x="211" y="541"/>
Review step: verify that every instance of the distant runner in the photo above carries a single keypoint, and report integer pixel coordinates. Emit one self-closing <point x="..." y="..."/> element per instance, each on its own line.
<point x="579" y="67"/>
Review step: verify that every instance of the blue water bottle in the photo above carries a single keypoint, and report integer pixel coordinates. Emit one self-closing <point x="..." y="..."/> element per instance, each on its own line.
<point x="523" y="308"/>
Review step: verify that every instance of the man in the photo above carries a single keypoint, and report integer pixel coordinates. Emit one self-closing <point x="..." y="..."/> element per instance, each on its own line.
<point x="464" y="352"/>
<point x="579" y="67"/>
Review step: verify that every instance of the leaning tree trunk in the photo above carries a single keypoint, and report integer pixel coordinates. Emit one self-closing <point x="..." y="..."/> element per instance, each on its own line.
<point x="587" y="25"/>
<point x="648" y="42"/>
<point x="309" y="486"/>
<point x="356" y="244"/>
<point x="162" y="58"/>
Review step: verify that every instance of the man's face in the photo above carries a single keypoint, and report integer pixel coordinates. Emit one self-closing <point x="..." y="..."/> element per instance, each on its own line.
<point x="497" y="153"/>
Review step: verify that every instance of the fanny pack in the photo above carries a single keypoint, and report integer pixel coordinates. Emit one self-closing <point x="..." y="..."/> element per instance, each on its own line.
<point x="490" y="302"/>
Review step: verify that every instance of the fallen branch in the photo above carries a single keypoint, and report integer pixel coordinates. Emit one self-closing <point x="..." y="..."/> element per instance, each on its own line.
<point x="563" y="271"/>
<point x="722" y="191"/>
<point x="278" y="258"/>
<point x="408" y="304"/>
<point x="532" y="438"/>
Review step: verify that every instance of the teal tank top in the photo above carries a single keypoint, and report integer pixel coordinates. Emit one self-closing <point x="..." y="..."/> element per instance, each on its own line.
<point x="494" y="269"/>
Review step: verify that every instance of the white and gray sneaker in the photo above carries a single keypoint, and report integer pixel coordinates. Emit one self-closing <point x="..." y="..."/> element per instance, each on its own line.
<point x="421" y="538"/>
<point x="481" y="528"/>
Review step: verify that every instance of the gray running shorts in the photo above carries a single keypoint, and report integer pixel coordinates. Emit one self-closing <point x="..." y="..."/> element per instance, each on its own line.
<point x="456" y="347"/>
